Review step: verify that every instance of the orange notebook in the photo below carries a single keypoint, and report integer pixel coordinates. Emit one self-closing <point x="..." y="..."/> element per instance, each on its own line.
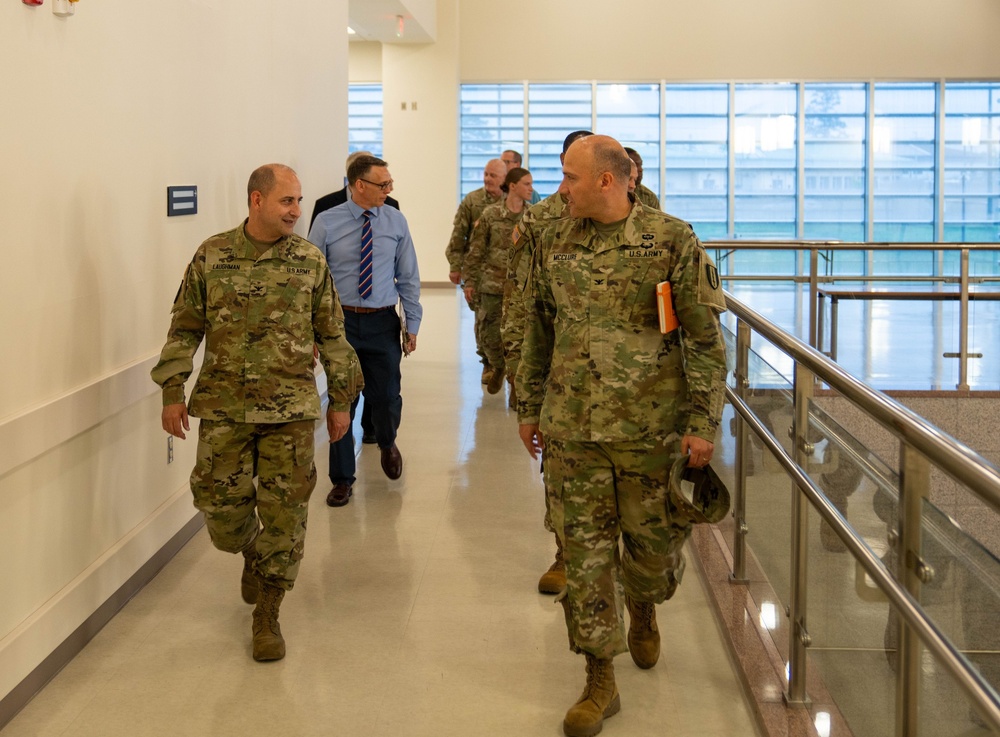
<point x="665" y="302"/>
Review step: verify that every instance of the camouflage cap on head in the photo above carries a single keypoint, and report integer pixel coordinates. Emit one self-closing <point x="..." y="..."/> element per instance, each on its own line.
<point x="697" y="494"/>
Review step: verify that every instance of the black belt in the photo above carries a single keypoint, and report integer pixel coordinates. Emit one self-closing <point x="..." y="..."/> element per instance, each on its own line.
<point x="366" y="310"/>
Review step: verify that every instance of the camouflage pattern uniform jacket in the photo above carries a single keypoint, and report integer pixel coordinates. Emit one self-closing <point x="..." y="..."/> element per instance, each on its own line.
<point x="647" y="196"/>
<point x="485" y="266"/>
<point x="465" y="220"/>
<point x="260" y="317"/>
<point x="522" y="245"/>
<point x="594" y="366"/>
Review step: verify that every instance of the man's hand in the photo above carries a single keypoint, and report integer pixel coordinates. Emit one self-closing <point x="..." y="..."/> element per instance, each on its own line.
<point x="174" y="419"/>
<point x="455" y="277"/>
<point x="337" y="424"/>
<point x="469" y="293"/>
<point x="532" y="439"/>
<point x="411" y="343"/>
<point x="698" y="451"/>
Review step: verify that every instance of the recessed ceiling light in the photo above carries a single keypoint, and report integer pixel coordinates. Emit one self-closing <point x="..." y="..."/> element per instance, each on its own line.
<point x="351" y="31"/>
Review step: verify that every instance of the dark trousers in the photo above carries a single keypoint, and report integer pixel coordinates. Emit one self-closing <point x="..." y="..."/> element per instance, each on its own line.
<point x="375" y="338"/>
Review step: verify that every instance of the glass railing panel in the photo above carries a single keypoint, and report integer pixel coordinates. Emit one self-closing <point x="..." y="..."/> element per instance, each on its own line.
<point x="847" y="614"/>
<point x="963" y="597"/>
<point x="847" y="617"/>
<point x="768" y="489"/>
<point x="945" y="710"/>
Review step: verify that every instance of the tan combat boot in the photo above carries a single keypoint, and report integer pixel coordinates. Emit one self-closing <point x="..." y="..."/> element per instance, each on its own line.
<point x="497" y="378"/>
<point x="248" y="582"/>
<point x="268" y="644"/>
<point x="643" y="634"/>
<point x="554" y="580"/>
<point x="598" y="701"/>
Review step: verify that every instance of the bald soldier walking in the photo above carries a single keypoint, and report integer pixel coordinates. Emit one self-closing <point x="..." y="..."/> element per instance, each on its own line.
<point x="614" y="401"/>
<point x="261" y="297"/>
<point x="466" y="217"/>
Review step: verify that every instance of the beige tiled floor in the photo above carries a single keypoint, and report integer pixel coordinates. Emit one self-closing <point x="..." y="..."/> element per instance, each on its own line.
<point x="415" y="612"/>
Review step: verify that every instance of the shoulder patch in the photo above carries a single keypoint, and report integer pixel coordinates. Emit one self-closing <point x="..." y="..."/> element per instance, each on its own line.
<point x="712" y="274"/>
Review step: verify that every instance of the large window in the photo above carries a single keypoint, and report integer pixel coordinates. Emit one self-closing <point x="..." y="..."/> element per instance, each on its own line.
<point x="834" y="161"/>
<point x="849" y="161"/>
<point x="765" y="147"/>
<point x="971" y="161"/>
<point x="364" y="118"/>
<point x="696" y="158"/>
<point x="554" y="110"/>
<point x="492" y="120"/>
<point x="631" y="114"/>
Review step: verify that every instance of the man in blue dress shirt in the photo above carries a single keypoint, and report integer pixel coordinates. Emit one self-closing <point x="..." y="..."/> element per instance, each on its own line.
<point x="374" y="265"/>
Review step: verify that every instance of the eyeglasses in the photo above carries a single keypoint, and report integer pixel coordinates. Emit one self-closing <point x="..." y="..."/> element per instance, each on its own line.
<point x="384" y="186"/>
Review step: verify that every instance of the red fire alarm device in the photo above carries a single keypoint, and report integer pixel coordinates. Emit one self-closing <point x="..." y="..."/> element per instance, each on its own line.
<point x="33" y="2"/>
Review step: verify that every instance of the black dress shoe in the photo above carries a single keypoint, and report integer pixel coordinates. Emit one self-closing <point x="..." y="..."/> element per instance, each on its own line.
<point x="392" y="462"/>
<point x="369" y="438"/>
<point x="339" y="495"/>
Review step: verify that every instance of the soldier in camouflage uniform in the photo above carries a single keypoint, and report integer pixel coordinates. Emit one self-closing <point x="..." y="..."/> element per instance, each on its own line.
<point x="642" y="193"/>
<point x="614" y="401"/>
<point x="484" y="273"/>
<point x="466" y="217"/>
<point x="261" y="297"/>
<point x="523" y="241"/>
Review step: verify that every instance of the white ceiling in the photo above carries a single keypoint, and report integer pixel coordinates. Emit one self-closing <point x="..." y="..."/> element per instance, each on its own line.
<point x="378" y="20"/>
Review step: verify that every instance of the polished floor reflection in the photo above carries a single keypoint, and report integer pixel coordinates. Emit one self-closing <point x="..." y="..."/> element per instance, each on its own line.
<point x="415" y="612"/>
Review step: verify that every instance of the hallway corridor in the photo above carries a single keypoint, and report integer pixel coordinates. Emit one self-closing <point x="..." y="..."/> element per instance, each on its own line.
<point x="415" y="613"/>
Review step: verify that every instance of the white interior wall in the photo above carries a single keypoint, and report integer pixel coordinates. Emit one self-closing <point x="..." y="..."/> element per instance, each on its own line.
<point x="419" y="142"/>
<point x="365" y="62"/>
<point x="101" y="112"/>
<point x="772" y="40"/>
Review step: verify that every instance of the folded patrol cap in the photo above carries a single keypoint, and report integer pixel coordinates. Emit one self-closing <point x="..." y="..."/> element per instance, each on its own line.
<point x="697" y="494"/>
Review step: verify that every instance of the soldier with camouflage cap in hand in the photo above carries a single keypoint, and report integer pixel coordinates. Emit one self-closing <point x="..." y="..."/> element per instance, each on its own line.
<point x="261" y="297"/>
<point x="614" y="401"/>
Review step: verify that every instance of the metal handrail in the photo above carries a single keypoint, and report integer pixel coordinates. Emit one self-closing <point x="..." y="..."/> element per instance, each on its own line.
<point x="800" y="245"/>
<point x="954" y="457"/>
<point x="971" y="680"/>
<point x="814" y="278"/>
<point x="914" y="433"/>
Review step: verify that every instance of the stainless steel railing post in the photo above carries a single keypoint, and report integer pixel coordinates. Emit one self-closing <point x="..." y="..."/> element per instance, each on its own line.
<point x="813" y="287"/>
<point x="914" y="486"/>
<point x="798" y="632"/>
<point x="740" y="528"/>
<point x="963" y="327"/>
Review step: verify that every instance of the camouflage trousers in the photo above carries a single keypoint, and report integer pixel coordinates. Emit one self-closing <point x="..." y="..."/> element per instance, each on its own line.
<point x="474" y="306"/>
<point x="271" y="515"/>
<point x="488" y="327"/>
<point x="598" y="493"/>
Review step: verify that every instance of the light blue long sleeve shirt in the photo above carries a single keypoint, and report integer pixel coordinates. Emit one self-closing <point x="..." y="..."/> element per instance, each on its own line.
<point x="337" y="233"/>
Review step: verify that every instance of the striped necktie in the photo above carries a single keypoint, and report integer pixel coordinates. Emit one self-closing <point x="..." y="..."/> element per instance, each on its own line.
<point x="365" y="275"/>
